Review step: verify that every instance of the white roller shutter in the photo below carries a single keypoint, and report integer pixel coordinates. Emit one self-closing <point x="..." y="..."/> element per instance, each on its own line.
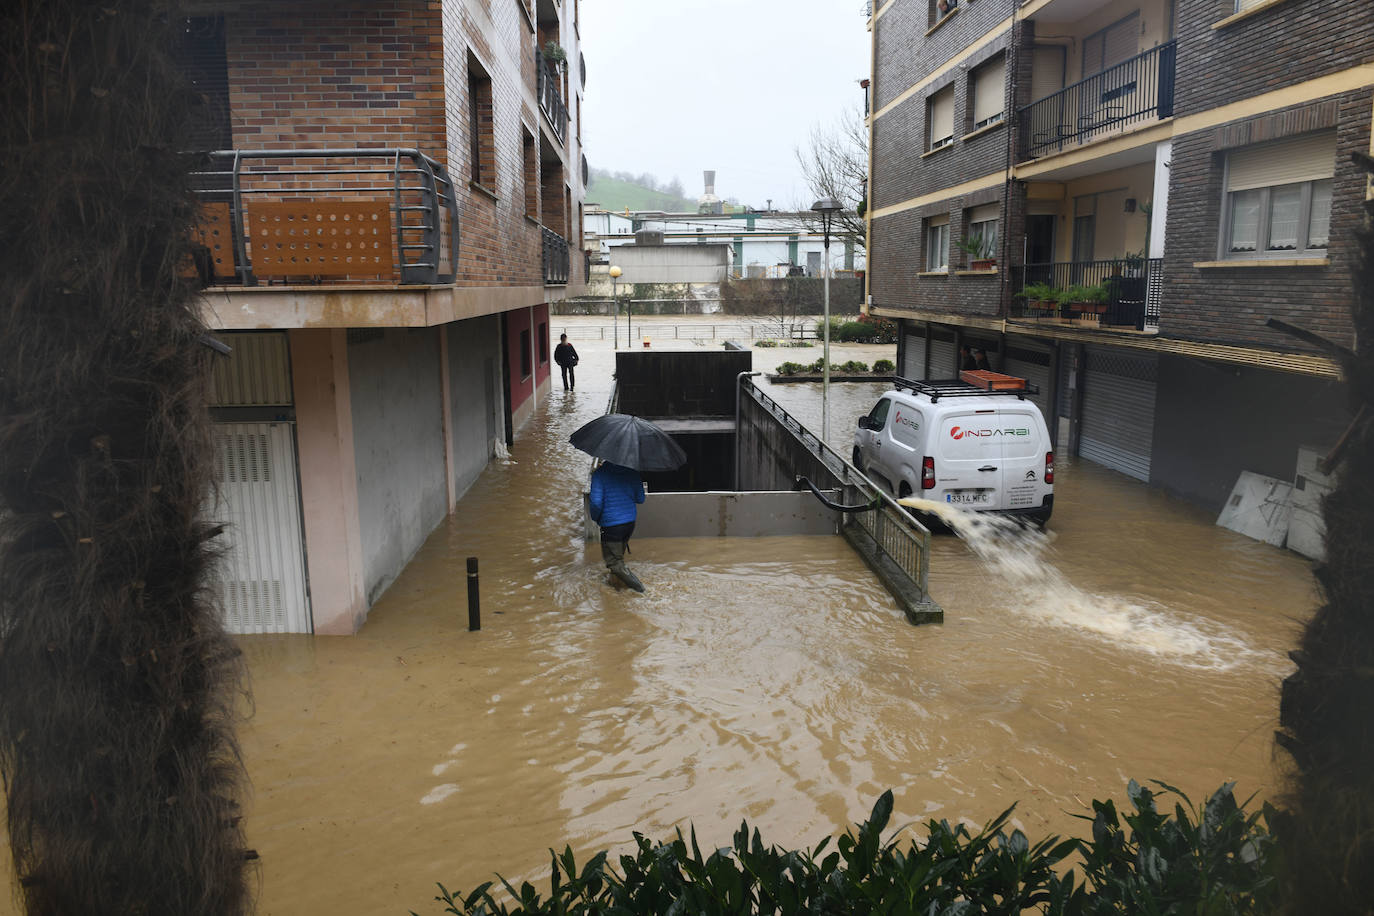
<point x="1030" y="360"/>
<point x="914" y="354"/>
<point x="1310" y="157"/>
<point x="942" y="358"/>
<point x="261" y="576"/>
<point x="989" y="91"/>
<point x="1119" y="410"/>
<point x="941" y="117"/>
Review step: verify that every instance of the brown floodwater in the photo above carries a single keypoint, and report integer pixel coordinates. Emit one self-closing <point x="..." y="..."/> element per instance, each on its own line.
<point x="771" y="679"/>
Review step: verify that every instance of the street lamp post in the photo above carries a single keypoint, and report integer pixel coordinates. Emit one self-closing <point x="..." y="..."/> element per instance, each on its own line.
<point x="826" y="208"/>
<point x="615" y="305"/>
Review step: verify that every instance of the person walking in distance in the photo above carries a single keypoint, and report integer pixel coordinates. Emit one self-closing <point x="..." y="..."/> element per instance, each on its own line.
<point x="616" y="491"/>
<point x="566" y="356"/>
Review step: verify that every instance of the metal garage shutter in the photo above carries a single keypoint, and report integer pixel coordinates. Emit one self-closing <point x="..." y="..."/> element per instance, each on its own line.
<point x="1119" y="410"/>
<point x="914" y="352"/>
<point x="1031" y="361"/>
<point x="261" y="575"/>
<point x="942" y="357"/>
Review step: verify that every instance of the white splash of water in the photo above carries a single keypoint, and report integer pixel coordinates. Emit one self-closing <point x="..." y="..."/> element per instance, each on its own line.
<point x="1021" y="555"/>
<point x="439" y="793"/>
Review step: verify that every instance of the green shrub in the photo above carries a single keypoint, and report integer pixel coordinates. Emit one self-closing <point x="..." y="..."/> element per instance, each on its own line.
<point x="1216" y="860"/>
<point x="1040" y="291"/>
<point x="854" y="366"/>
<point x="804" y="344"/>
<point x="791" y="368"/>
<point x="765" y="343"/>
<point x="858" y="332"/>
<point x="884" y="366"/>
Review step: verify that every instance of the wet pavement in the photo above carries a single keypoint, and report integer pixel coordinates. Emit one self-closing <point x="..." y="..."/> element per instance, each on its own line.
<point x="770" y="678"/>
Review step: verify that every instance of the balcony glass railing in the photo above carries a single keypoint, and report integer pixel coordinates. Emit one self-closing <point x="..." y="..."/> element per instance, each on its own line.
<point x="551" y="96"/>
<point x="1139" y="89"/>
<point x="326" y="216"/>
<point x="1121" y="293"/>
<point x="556" y="263"/>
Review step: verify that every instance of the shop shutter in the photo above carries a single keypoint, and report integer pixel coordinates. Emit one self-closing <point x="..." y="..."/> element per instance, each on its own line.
<point x="1119" y="410"/>
<point x="1030" y="360"/>
<point x="261" y="575"/>
<point x="942" y="357"/>
<point x="914" y="353"/>
<point x="1310" y="157"/>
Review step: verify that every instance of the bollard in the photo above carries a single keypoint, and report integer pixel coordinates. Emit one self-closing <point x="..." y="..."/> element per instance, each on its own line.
<point x="474" y="597"/>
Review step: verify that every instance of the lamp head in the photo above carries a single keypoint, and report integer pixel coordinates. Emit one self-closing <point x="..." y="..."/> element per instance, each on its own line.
<point x="615" y="273"/>
<point x="826" y="208"/>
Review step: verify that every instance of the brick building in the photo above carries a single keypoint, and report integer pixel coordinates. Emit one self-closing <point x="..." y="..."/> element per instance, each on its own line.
<point x="391" y="190"/>
<point x="1111" y="197"/>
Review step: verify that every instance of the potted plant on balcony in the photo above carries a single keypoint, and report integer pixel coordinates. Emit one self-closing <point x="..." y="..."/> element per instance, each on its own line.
<point x="554" y="54"/>
<point x="1084" y="304"/>
<point x="1042" y="300"/>
<point x="980" y="250"/>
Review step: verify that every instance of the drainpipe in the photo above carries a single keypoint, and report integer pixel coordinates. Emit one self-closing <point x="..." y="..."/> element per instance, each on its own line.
<point x="739" y="381"/>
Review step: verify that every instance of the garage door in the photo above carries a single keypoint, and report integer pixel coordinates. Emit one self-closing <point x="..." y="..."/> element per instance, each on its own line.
<point x="941" y="357"/>
<point x="913" y="351"/>
<point x="1030" y="360"/>
<point x="1119" y="410"/>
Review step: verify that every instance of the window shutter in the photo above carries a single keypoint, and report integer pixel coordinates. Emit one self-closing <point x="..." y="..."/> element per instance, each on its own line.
<point x="1310" y="157"/>
<point x="941" y="220"/>
<point x="1243" y="5"/>
<point x="988" y="91"/>
<point x="984" y="213"/>
<point x="1121" y="41"/>
<point x="1047" y="71"/>
<point x="942" y="116"/>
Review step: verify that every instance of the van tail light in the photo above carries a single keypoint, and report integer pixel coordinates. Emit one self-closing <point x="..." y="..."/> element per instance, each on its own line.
<point x="927" y="473"/>
<point x="1049" y="467"/>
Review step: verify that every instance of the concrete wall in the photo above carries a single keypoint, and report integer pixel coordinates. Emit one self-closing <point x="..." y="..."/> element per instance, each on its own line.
<point x="685" y="263"/>
<point x="524" y="388"/>
<point x="397" y="412"/>
<point x="1212" y="422"/>
<point x="474" y="367"/>
<point x="696" y="515"/>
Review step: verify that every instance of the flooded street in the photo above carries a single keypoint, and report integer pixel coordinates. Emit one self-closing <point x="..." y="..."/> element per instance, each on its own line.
<point x="770" y="679"/>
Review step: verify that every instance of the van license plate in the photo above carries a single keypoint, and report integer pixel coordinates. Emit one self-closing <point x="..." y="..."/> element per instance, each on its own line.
<point x="969" y="497"/>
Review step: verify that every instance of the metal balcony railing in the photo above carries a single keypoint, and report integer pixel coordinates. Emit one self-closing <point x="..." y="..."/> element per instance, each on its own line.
<point x="1128" y="292"/>
<point x="551" y="96"/>
<point x="556" y="264"/>
<point x="326" y="215"/>
<point x="1139" y="89"/>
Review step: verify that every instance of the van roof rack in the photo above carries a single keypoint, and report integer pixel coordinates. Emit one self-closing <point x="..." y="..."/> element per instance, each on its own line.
<point x="956" y="388"/>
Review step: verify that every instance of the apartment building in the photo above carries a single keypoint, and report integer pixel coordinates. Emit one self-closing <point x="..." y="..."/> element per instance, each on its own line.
<point x="391" y="191"/>
<point x="1112" y="198"/>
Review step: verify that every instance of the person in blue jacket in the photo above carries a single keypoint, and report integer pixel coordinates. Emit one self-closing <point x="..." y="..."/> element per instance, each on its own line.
<point x="616" y="490"/>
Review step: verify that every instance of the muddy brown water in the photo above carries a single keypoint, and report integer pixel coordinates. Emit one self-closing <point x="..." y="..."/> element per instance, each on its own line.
<point x="770" y="679"/>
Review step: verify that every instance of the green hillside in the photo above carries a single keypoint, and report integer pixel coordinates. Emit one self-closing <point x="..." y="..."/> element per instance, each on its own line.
<point x="614" y="194"/>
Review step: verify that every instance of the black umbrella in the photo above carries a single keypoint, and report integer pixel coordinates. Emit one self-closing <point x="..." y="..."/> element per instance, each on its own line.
<point x="622" y="439"/>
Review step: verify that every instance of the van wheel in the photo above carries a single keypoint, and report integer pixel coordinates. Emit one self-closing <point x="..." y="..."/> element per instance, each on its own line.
<point x="904" y="490"/>
<point x="858" y="460"/>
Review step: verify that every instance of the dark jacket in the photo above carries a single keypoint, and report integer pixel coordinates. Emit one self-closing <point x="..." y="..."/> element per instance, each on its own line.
<point x="565" y="355"/>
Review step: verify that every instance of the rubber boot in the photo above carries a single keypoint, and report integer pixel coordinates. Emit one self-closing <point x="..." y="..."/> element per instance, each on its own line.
<point x="613" y="552"/>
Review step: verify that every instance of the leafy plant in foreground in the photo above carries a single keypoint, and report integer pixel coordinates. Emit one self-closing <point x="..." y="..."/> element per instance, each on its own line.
<point x="1216" y="860"/>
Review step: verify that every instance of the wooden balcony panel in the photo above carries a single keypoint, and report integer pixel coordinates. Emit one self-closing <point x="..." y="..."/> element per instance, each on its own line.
<point x="302" y="238"/>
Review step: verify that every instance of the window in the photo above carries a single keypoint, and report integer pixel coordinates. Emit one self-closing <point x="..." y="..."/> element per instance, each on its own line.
<point x="1243" y="5"/>
<point x="199" y="51"/>
<point x="940" y="119"/>
<point x="1278" y="198"/>
<point x="531" y="169"/>
<point x="543" y="344"/>
<point x="525" y="354"/>
<point x="939" y="9"/>
<point x="937" y="243"/>
<point x="982" y="231"/>
<point x="989" y="91"/>
<point x="877" y="417"/>
<point x="481" y="139"/>
<point x="1113" y="45"/>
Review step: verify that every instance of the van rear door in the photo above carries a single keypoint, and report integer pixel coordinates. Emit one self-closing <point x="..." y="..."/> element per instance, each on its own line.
<point x="1025" y="440"/>
<point x="968" y="459"/>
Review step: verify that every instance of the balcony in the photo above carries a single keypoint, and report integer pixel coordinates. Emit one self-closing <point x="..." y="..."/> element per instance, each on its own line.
<point x="322" y="216"/>
<point x="556" y="264"/>
<point x="1122" y="294"/>
<point x="1136" y="90"/>
<point x="551" y="96"/>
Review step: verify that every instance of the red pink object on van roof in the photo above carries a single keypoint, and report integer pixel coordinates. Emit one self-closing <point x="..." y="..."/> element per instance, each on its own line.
<point x="991" y="381"/>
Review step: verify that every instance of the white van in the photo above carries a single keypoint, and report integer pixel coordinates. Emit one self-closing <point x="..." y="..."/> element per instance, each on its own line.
<point x="956" y="443"/>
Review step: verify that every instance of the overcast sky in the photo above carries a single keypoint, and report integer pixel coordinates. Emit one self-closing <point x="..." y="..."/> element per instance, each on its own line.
<point x="675" y="87"/>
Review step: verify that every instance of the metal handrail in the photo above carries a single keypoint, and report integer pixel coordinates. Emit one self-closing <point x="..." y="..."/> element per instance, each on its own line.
<point x="1136" y="89"/>
<point x="550" y="97"/>
<point x="1132" y="286"/>
<point x="418" y="262"/>
<point x="556" y="259"/>
<point x="895" y="532"/>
